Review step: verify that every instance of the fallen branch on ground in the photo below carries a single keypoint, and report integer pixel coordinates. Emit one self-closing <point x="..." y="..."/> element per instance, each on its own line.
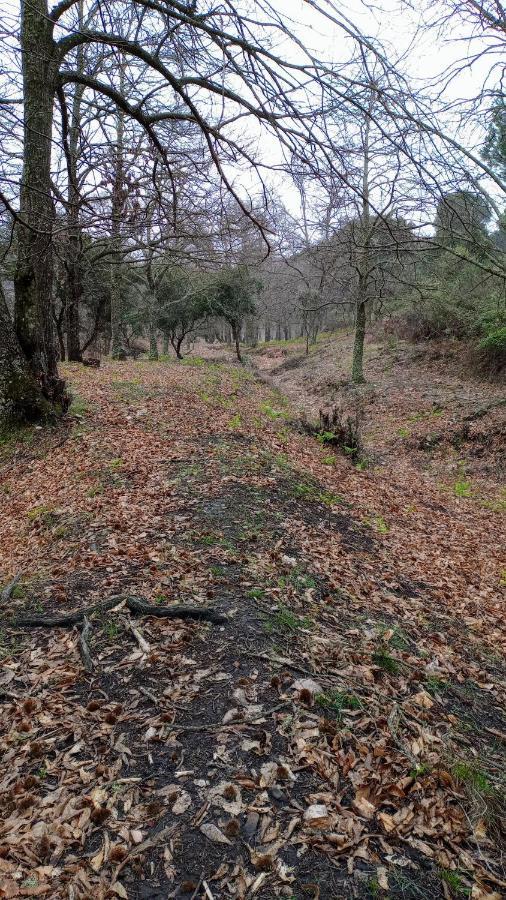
<point x="142" y="642"/>
<point x="84" y="647"/>
<point x="134" y="604"/>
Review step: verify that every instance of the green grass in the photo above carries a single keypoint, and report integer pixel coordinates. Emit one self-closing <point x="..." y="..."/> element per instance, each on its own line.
<point x="197" y="361"/>
<point x="235" y="422"/>
<point x="420" y="771"/>
<point x="399" y="639"/>
<point x="112" y="630"/>
<point x="14" y="433"/>
<point x="43" y="515"/>
<point x="79" y="406"/>
<point x="298" y="579"/>
<point x="285" y="620"/>
<point x="338" y="702"/>
<point x="272" y="413"/>
<point x="95" y="490"/>
<point x="470" y="775"/>
<point x="403" y="432"/>
<point x="462" y="488"/>
<point x="385" y="661"/>
<point x="434" y="685"/>
<point x="454" y="881"/>
<point x="304" y="490"/>
<point x="378" y="523"/>
<point x="255" y="594"/>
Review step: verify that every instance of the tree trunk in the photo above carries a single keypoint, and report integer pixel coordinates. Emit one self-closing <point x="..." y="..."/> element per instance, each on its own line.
<point x="153" y="343"/>
<point x="176" y="344"/>
<point x="61" y="336"/>
<point x="165" y="346"/>
<point x="33" y="319"/>
<point x="75" y="292"/>
<point x="117" y="211"/>
<point x="74" y="266"/>
<point x="236" y="334"/>
<point x="20" y="396"/>
<point x="363" y="257"/>
<point x="357" y="368"/>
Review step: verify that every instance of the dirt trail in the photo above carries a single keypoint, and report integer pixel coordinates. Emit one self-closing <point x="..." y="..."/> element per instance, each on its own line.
<point x="339" y="736"/>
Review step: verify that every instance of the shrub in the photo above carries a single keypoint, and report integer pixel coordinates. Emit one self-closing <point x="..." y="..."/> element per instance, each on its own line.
<point x="335" y="429"/>
<point x="492" y="350"/>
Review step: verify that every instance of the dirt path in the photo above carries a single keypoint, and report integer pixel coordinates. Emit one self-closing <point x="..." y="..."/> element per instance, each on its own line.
<point x="340" y="735"/>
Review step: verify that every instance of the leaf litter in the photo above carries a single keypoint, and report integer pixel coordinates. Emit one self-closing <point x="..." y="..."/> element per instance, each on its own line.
<point x="340" y="734"/>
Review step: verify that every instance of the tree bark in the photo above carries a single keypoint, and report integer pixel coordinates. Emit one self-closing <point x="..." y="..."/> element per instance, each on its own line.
<point x="34" y="270"/>
<point x="153" y="342"/>
<point x="118" y="209"/>
<point x="363" y="261"/>
<point x="74" y="265"/>
<point x="236" y="334"/>
<point x="357" y="368"/>
<point x="20" y="396"/>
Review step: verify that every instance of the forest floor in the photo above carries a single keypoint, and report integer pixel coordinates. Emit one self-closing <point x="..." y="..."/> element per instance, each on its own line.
<point x="341" y="734"/>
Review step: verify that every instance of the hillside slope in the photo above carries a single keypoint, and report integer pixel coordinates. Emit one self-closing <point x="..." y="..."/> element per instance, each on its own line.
<point x="338" y="734"/>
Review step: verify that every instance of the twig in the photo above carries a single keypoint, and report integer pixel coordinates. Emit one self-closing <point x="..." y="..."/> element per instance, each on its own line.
<point x="218" y="726"/>
<point x="281" y="660"/>
<point x="198" y="887"/>
<point x="7" y="591"/>
<point x="84" y="647"/>
<point x="149" y="695"/>
<point x="142" y="642"/>
<point x="207" y="890"/>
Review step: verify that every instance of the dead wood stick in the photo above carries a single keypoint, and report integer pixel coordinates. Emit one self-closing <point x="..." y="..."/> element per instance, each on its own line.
<point x="84" y="647"/>
<point x="134" y="604"/>
<point x="142" y="642"/>
<point x="218" y="726"/>
<point x="7" y="591"/>
<point x="198" y="887"/>
<point x="71" y="618"/>
<point x="152" y="841"/>
<point x="149" y="695"/>
<point x="199" y="613"/>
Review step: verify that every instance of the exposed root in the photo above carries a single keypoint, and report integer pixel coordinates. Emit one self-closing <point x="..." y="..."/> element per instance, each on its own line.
<point x="134" y="604"/>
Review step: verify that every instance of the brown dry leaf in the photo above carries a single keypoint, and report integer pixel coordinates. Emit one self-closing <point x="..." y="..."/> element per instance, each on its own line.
<point x="213" y="833"/>
<point x="382" y="876"/>
<point x="387" y="821"/>
<point x="364" y="807"/>
<point x="183" y="802"/>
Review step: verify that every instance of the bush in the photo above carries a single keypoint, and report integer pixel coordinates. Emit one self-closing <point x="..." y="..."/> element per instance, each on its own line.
<point x="492" y="350"/>
<point x="335" y="429"/>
